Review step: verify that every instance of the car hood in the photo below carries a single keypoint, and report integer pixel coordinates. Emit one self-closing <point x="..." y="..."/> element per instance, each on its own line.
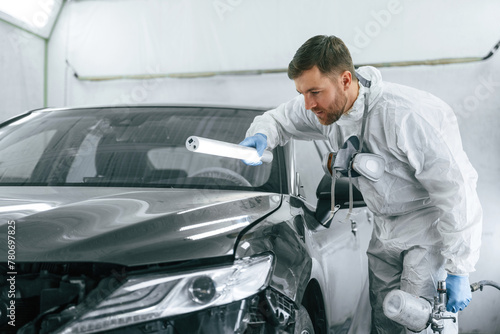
<point x="127" y="226"/>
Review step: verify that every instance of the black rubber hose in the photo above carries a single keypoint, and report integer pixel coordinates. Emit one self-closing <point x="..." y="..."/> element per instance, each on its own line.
<point x="479" y="285"/>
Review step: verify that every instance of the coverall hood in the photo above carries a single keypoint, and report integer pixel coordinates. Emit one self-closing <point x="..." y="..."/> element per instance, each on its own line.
<point x="356" y="112"/>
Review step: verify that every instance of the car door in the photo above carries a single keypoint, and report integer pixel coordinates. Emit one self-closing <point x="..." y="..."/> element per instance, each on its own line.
<point x="339" y="251"/>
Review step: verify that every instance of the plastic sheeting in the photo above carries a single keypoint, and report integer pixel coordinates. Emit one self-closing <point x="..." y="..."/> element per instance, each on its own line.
<point x="132" y="37"/>
<point x="21" y="71"/>
<point x="127" y="38"/>
<point x="24" y="27"/>
<point x="37" y="16"/>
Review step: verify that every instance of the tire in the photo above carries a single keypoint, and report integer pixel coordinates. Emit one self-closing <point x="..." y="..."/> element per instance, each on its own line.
<point x="303" y="323"/>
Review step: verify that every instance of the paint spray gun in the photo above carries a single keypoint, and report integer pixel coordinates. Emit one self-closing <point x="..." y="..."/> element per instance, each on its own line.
<point x="417" y="313"/>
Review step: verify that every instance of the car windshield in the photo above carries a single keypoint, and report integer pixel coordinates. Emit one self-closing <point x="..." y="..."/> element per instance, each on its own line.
<point x="131" y="147"/>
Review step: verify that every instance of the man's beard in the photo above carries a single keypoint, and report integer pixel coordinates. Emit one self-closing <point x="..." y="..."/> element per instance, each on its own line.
<point x="333" y="112"/>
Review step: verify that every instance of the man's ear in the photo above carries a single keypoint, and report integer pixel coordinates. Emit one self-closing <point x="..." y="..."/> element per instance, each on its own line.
<point x="346" y="79"/>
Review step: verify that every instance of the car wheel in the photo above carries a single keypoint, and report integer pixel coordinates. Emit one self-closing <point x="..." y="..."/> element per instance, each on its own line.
<point x="303" y="323"/>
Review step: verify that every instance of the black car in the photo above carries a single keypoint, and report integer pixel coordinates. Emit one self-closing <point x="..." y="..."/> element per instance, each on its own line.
<point x="110" y="225"/>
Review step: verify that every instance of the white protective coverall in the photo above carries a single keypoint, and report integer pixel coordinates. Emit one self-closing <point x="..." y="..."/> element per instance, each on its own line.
<point x="428" y="218"/>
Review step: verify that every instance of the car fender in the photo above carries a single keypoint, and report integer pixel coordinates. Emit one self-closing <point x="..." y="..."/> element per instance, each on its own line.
<point x="292" y="264"/>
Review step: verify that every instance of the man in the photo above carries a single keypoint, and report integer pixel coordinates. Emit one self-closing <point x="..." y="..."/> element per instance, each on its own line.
<point x="428" y="219"/>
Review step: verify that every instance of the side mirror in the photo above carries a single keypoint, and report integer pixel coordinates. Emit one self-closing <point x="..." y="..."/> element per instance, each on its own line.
<point x="323" y="193"/>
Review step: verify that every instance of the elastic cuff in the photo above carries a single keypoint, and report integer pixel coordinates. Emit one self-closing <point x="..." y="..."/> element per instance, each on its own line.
<point x="260" y="133"/>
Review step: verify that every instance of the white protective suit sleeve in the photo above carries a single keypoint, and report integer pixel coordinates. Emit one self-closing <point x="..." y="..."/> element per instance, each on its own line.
<point x="288" y="120"/>
<point x="433" y="148"/>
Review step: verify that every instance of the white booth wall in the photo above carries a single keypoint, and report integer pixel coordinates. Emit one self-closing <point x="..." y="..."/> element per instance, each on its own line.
<point x="147" y="42"/>
<point x="22" y="57"/>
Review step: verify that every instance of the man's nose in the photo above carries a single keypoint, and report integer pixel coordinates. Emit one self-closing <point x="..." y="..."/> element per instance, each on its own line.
<point x="309" y="102"/>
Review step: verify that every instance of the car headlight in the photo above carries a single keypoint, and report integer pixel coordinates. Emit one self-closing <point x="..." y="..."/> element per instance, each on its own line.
<point x="151" y="297"/>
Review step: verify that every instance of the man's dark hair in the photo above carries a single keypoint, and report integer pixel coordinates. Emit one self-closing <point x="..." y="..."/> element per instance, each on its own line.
<point x="328" y="53"/>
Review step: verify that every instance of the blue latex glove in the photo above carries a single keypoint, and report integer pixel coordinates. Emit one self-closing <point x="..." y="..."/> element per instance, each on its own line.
<point x="459" y="294"/>
<point x="259" y="141"/>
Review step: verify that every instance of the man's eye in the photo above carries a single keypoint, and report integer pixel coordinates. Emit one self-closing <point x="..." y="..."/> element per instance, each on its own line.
<point x="315" y="93"/>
